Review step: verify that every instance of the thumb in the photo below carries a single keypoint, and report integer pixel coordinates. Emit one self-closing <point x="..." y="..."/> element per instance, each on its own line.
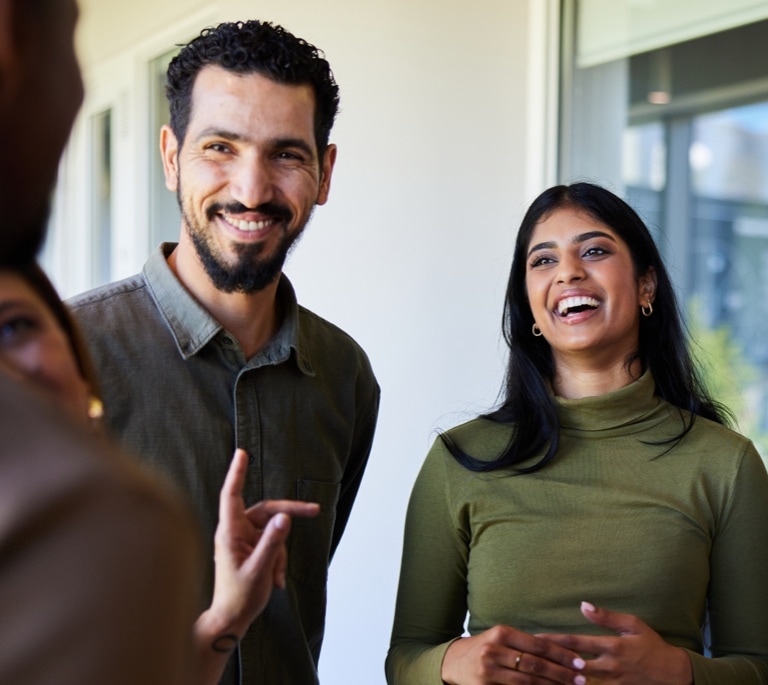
<point x="624" y="624"/>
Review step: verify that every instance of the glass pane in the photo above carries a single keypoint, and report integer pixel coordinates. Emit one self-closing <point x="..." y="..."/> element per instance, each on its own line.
<point x="164" y="217"/>
<point x="644" y="171"/>
<point x="682" y="133"/>
<point x="101" y="197"/>
<point x="729" y="185"/>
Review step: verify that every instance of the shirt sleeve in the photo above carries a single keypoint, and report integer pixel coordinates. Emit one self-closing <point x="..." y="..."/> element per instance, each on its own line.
<point x="738" y="595"/>
<point x="432" y="595"/>
<point x="358" y="459"/>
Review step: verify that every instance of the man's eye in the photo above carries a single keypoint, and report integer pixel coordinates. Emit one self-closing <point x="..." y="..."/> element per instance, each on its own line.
<point x="217" y="147"/>
<point x="290" y="156"/>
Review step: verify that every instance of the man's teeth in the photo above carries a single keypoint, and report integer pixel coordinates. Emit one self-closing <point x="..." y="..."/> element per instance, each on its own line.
<point x="572" y="302"/>
<point x="249" y="225"/>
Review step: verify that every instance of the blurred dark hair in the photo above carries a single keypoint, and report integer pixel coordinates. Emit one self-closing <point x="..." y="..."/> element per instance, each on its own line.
<point x="527" y="402"/>
<point x="36" y="278"/>
<point x="248" y="47"/>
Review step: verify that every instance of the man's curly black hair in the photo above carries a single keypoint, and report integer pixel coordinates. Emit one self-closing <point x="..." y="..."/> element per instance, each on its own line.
<point x="248" y="47"/>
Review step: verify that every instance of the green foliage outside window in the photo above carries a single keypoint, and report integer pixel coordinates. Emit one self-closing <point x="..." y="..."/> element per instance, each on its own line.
<point x="729" y="375"/>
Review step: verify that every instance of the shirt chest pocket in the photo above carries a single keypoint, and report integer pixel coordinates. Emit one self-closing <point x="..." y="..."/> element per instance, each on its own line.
<point x="310" y="545"/>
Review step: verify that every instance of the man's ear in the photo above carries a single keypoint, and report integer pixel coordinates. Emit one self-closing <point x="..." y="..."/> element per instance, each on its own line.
<point x="169" y="150"/>
<point x="326" y="170"/>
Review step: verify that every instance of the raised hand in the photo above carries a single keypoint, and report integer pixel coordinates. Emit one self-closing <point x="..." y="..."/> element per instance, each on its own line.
<point x="250" y="561"/>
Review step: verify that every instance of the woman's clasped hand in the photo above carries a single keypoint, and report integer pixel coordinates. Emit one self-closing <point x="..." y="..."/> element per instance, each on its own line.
<point x="505" y="655"/>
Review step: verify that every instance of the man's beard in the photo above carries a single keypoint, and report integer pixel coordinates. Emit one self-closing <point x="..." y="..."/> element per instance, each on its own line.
<point x="251" y="272"/>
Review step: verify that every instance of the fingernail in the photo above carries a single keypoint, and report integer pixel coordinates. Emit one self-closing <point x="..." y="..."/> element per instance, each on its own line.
<point x="579" y="663"/>
<point x="281" y="521"/>
<point x="580" y="680"/>
<point x="586" y="606"/>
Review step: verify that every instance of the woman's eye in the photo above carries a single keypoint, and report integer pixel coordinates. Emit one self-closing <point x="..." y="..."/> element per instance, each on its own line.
<point x="13" y="329"/>
<point x="541" y="261"/>
<point x="595" y="251"/>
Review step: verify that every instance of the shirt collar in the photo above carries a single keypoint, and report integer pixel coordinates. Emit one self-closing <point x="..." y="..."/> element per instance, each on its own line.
<point x="626" y="410"/>
<point x="193" y="327"/>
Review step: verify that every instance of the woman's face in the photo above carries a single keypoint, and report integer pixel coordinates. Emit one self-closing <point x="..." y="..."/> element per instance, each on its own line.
<point x="583" y="290"/>
<point x="34" y="347"/>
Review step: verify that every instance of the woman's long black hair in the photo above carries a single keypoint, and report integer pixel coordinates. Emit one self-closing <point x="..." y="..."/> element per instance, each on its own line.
<point x="527" y="402"/>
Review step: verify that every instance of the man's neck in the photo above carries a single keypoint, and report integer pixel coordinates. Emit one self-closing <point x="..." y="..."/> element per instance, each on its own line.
<point x="251" y="318"/>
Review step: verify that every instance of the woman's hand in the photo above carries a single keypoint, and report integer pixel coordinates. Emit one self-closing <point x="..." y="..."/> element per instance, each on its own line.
<point x="250" y="561"/>
<point x="506" y="655"/>
<point x="637" y="655"/>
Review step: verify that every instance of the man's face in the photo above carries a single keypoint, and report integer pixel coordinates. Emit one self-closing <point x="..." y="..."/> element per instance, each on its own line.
<point x="37" y="116"/>
<point x="247" y="175"/>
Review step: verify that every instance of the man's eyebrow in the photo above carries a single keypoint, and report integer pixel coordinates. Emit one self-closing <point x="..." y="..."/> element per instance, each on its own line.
<point x="219" y="133"/>
<point x="299" y="143"/>
<point x="582" y="237"/>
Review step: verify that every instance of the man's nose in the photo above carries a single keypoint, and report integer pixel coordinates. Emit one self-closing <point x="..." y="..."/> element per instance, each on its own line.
<point x="252" y="183"/>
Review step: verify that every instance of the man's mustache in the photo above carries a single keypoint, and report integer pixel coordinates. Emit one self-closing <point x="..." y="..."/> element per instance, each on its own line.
<point x="270" y="209"/>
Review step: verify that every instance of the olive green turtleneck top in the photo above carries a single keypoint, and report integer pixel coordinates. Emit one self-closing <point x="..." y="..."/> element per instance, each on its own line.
<point x="626" y="525"/>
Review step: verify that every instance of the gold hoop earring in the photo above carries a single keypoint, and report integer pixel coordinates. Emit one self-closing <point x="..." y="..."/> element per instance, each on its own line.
<point x="647" y="310"/>
<point x="536" y="330"/>
<point x="95" y="409"/>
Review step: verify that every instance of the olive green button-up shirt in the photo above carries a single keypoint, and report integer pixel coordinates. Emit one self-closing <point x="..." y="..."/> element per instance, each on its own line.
<point x="178" y="391"/>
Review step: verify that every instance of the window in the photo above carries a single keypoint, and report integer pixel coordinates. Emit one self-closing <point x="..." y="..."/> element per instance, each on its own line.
<point x="164" y="217"/>
<point x="101" y="197"/>
<point x="681" y="131"/>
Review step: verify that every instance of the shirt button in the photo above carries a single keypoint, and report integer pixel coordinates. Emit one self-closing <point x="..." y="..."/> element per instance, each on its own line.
<point x="228" y="341"/>
<point x="251" y="459"/>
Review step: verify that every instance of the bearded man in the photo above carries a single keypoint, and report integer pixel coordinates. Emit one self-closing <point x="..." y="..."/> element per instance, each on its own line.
<point x="207" y="348"/>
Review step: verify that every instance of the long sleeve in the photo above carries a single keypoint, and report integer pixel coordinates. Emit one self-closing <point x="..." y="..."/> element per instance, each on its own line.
<point x="432" y="595"/>
<point x="361" y="450"/>
<point x="738" y="596"/>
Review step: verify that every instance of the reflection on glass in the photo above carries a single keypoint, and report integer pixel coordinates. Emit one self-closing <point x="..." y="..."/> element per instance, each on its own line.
<point x="729" y="187"/>
<point x="684" y="131"/>
<point x="101" y="197"/>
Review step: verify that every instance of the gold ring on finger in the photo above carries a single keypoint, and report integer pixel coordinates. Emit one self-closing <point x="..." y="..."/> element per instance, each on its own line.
<point x="519" y="658"/>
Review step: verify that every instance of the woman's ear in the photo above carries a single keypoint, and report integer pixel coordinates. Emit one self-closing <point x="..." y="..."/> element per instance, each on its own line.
<point x="647" y="289"/>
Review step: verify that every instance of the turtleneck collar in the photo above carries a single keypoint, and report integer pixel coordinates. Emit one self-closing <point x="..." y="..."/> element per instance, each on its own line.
<point x="631" y="409"/>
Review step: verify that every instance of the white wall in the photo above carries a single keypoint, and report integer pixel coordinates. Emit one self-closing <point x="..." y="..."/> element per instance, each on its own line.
<point x="443" y="138"/>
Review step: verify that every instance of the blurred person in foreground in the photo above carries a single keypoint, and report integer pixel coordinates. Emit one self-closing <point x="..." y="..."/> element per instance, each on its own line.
<point x="95" y="556"/>
<point x="98" y="561"/>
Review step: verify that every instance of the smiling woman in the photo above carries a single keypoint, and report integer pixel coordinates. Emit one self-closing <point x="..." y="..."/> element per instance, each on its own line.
<point x="621" y="516"/>
<point x="585" y="296"/>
